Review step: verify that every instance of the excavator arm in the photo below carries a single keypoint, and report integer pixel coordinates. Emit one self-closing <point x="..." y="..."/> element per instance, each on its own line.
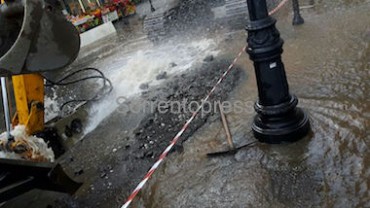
<point x="34" y="37"/>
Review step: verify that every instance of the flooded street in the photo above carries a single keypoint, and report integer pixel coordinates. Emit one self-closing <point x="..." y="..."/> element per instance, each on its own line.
<point x="327" y="62"/>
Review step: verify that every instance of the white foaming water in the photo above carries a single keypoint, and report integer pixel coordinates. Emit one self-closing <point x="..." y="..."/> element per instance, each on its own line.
<point x="51" y="106"/>
<point x="128" y="72"/>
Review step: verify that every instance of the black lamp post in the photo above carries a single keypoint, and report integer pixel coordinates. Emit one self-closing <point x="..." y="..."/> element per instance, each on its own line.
<point x="278" y="119"/>
<point x="297" y="18"/>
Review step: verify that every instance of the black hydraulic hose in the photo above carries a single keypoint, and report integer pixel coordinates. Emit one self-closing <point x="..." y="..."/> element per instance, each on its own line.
<point x="98" y="96"/>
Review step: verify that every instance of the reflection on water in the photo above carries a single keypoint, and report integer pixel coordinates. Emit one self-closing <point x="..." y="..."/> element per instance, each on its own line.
<point x="328" y="67"/>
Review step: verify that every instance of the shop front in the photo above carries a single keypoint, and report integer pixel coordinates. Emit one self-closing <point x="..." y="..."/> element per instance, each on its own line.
<point x="88" y="14"/>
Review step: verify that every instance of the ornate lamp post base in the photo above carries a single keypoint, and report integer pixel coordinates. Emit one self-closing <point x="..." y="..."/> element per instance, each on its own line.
<point x="280" y="123"/>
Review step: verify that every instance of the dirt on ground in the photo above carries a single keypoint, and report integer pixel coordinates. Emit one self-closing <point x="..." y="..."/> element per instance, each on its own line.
<point x="112" y="159"/>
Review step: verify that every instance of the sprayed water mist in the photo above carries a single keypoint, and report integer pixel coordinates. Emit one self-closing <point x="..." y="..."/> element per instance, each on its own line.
<point x="128" y="72"/>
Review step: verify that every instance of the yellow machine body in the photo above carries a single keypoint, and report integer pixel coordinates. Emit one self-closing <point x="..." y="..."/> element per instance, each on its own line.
<point x="34" y="37"/>
<point x="29" y="98"/>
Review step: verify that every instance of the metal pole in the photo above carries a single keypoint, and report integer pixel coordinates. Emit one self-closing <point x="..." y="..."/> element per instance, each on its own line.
<point x="82" y="6"/>
<point x="278" y="119"/>
<point x="6" y="106"/>
<point x="151" y="6"/>
<point x="297" y="18"/>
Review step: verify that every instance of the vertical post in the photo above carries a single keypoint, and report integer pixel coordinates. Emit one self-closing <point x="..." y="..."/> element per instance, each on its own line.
<point x="98" y="2"/>
<point x="6" y="107"/>
<point x="297" y="18"/>
<point x="29" y="100"/>
<point x="151" y="6"/>
<point x="278" y="119"/>
<point x="82" y="6"/>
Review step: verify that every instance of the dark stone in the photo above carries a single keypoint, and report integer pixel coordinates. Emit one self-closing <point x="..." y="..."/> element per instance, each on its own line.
<point x="209" y="58"/>
<point x="144" y="86"/>
<point x="80" y="172"/>
<point x="76" y="125"/>
<point x="102" y="175"/>
<point x="149" y="154"/>
<point x="139" y="155"/>
<point x="162" y="75"/>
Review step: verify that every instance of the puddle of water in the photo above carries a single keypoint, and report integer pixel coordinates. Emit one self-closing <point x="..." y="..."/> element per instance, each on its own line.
<point x="327" y="62"/>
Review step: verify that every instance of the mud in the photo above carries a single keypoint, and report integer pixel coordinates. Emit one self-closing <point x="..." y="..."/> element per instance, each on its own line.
<point x="327" y="64"/>
<point x="112" y="163"/>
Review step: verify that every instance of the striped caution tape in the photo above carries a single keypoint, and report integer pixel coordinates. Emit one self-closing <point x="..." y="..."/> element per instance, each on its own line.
<point x="178" y="135"/>
<point x="186" y="125"/>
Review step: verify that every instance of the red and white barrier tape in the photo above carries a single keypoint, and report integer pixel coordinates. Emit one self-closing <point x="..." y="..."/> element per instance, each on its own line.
<point x="278" y="7"/>
<point x="186" y="125"/>
<point x="176" y="138"/>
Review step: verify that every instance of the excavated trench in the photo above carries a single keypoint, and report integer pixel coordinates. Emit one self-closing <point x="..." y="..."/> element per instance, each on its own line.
<point x="327" y="64"/>
<point x="133" y="151"/>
